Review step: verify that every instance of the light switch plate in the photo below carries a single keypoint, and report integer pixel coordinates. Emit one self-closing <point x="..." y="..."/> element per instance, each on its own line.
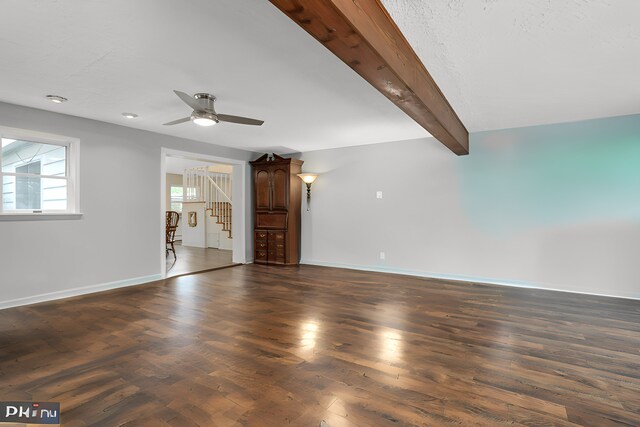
<point x="378" y="194"/>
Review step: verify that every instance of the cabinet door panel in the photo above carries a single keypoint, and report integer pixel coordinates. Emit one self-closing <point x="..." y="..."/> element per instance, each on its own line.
<point x="280" y="182"/>
<point x="271" y="220"/>
<point x="262" y="189"/>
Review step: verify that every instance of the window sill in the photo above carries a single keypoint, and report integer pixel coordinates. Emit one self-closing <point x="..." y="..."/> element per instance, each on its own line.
<point x="38" y="216"/>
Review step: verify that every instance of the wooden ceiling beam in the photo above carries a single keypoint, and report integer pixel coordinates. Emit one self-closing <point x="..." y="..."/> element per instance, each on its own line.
<point x="362" y="34"/>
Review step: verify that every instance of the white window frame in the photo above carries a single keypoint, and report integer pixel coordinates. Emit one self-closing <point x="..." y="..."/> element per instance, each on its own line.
<point x="72" y="175"/>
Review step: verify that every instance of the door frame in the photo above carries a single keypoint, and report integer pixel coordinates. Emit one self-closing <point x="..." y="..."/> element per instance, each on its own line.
<point x="239" y="175"/>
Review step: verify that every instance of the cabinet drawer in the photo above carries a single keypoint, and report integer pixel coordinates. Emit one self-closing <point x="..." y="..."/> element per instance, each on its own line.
<point x="275" y="245"/>
<point x="276" y="236"/>
<point x="261" y="255"/>
<point x="261" y="235"/>
<point x="261" y="245"/>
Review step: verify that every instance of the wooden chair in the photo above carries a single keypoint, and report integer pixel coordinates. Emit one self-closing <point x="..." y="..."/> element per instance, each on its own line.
<point x="172" y="225"/>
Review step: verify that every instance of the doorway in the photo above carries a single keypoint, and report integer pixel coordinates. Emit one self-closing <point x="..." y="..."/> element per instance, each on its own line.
<point x="203" y="212"/>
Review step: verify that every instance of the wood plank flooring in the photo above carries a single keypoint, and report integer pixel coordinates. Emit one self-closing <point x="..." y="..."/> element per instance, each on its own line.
<point x="267" y="346"/>
<point x="193" y="260"/>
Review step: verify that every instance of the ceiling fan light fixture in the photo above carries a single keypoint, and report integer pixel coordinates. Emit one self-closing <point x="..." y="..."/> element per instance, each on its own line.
<point x="204" y="119"/>
<point x="204" y="114"/>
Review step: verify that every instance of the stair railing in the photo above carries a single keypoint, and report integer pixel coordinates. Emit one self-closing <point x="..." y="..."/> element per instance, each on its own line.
<point x="214" y="189"/>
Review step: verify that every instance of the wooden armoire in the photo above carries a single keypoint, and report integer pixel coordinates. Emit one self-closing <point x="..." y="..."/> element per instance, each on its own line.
<point x="277" y="198"/>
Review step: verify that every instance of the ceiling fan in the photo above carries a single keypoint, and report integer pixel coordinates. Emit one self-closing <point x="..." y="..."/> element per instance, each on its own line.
<point x="205" y="115"/>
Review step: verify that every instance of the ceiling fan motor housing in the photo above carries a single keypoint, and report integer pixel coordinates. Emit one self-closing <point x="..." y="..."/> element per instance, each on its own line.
<point x="206" y="99"/>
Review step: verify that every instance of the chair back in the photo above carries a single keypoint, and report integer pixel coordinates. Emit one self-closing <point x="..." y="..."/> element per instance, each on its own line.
<point x="172" y="225"/>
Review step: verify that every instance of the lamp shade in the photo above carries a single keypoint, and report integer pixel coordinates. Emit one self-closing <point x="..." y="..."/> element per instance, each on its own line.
<point x="308" y="177"/>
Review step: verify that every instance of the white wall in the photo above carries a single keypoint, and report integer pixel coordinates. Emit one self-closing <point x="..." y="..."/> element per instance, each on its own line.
<point x="550" y="206"/>
<point x="194" y="236"/>
<point x="117" y="238"/>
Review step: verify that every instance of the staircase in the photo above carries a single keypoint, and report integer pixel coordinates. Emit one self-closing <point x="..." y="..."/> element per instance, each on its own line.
<point x="214" y="189"/>
<point x="223" y="213"/>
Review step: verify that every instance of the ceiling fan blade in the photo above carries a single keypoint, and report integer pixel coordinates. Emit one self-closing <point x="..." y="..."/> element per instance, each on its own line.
<point x="177" y="122"/>
<point x="239" y="120"/>
<point x="189" y="100"/>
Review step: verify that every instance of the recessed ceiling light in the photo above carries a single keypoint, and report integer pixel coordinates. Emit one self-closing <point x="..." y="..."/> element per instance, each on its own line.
<point x="130" y="115"/>
<point x="56" y="99"/>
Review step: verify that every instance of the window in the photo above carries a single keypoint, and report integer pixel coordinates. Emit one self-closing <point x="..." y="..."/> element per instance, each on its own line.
<point x="38" y="173"/>
<point x="28" y="190"/>
<point x="176" y="198"/>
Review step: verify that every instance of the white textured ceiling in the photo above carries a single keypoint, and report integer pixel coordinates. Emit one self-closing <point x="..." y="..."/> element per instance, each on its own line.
<point x="511" y="63"/>
<point x="501" y="63"/>
<point x="116" y="56"/>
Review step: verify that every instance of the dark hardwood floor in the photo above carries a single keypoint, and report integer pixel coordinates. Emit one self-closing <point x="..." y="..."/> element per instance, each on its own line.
<point x="270" y="346"/>
<point x="192" y="260"/>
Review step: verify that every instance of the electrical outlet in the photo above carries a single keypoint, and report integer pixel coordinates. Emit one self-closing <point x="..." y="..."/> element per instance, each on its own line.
<point x="378" y="194"/>
<point x="382" y="255"/>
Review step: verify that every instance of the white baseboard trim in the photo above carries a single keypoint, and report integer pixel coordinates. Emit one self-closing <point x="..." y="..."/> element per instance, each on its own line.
<point x="478" y="280"/>
<point x="67" y="293"/>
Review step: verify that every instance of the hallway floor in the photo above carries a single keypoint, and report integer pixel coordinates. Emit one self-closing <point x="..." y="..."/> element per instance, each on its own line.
<point x="192" y="260"/>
